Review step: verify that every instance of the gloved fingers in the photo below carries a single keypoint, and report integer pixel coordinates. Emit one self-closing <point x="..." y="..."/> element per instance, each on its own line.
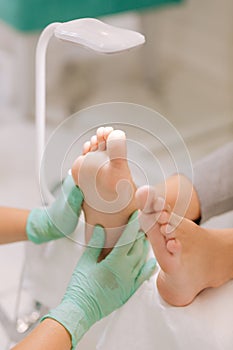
<point x="72" y="194"/>
<point x="67" y="187"/>
<point x="75" y="199"/>
<point x="146" y="272"/>
<point x="138" y="251"/>
<point x="127" y="239"/>
<point x="140" y="260"/>
<point x="94" y="247"/>
<point x="68" y="184"/>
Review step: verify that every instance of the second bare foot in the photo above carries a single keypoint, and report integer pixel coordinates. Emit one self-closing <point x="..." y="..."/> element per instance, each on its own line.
<point x="191" y="258"/>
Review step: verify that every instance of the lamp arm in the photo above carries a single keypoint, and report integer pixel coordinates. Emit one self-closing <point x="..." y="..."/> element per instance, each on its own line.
<point x="40" y="98"/>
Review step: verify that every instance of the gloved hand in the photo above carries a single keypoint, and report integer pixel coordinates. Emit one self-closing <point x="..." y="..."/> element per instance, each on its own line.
<point x="97" y="289"/>
<point x="58" y="220"/>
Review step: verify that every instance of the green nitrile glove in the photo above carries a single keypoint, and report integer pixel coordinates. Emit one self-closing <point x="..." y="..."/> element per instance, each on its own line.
<point x="97" y="289"/>
<point x="58" y="220"/>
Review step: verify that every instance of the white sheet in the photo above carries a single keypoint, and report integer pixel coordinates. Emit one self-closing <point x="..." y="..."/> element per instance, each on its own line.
<point x="146" y="322"/>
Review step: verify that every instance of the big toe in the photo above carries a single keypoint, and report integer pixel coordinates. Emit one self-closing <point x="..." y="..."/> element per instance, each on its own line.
<point x="145" y="198"/>
<point x="116" y="145"/>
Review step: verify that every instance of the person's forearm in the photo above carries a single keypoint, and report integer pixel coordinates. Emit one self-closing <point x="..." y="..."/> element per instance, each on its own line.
<point x="48" y="335"/>
<point x="181" y="196"/>
<point x="13" y="225"/>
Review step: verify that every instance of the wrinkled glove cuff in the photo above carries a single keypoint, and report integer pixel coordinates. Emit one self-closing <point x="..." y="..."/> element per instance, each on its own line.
<point x="35" y="232"/>
<point x="72" y="318"/>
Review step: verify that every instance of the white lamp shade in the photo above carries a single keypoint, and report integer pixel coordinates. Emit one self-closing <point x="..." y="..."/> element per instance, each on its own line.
<point x="98" y="36"/>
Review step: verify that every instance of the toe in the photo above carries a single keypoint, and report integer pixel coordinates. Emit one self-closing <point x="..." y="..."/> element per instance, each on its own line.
<point x="164" y="217"/>
<point x="100" y="139"/>
<point x="168" y="231"/>
<point x="145" y="197"/>
<point x="147" y="221"/>
<point x="86" y="147"/>
<point x="116" y="146"/>
<point x="150" y="226"/>
<point x="107" y="131"/>
<point x="174" y="246"/>
<point x="175" y="220"/>
<point x="94" y="143"/>
<point x="160" y="204"/>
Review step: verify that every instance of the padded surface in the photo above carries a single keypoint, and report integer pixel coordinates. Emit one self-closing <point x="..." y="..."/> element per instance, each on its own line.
<point x="28" y="15"/>
<point x="147" y="322"/>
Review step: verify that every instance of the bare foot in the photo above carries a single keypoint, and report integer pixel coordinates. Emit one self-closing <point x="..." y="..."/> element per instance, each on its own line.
<point x="191" y="258"/>
<point x="103" y="175"/>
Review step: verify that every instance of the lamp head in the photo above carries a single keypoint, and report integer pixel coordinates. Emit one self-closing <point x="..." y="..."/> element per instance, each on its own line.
<point x="98" y="36"/>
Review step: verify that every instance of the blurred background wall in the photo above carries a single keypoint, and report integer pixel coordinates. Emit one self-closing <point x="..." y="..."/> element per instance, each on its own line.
<point x="184" y="71"/>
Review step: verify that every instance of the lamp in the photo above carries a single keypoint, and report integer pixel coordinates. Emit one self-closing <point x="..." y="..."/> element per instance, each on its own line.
<point x="87" y="32"/>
